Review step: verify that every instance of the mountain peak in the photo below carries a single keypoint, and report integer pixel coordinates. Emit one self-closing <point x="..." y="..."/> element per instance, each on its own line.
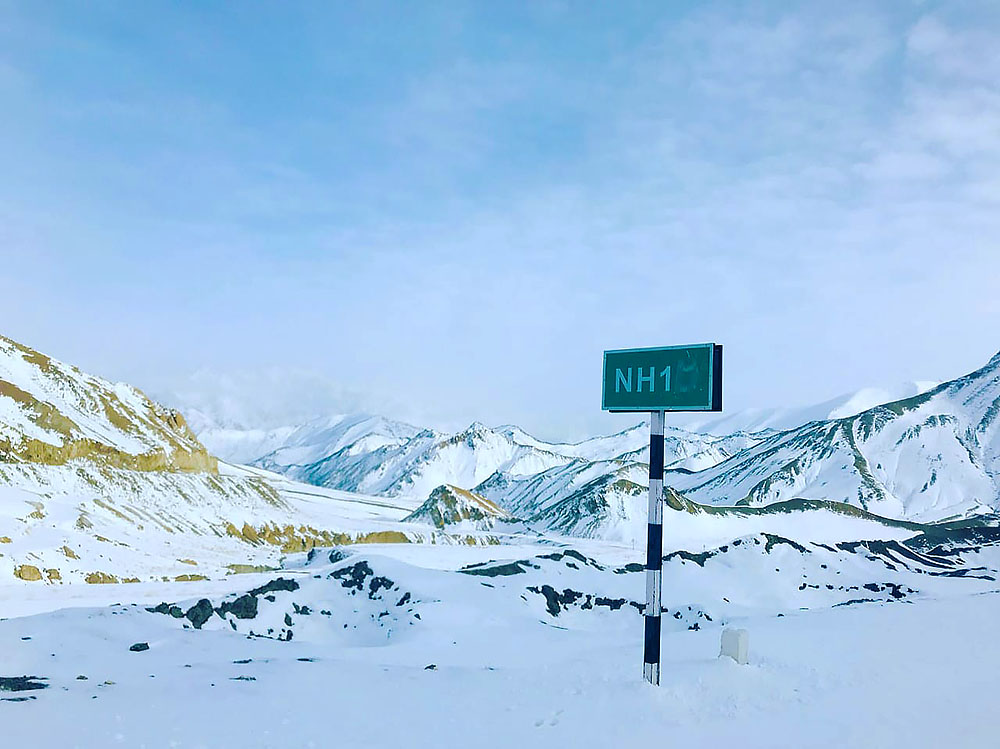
<point x="448" y="505"/>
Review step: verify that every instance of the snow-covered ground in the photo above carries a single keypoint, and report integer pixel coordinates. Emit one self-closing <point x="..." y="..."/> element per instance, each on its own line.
<point x="487" y="665"/>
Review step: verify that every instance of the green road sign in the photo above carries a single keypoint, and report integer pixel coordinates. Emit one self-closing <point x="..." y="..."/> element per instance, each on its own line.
<point x="671" y="378"/>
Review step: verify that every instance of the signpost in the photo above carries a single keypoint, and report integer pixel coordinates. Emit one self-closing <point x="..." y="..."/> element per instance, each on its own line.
<point x="671" y="378"/>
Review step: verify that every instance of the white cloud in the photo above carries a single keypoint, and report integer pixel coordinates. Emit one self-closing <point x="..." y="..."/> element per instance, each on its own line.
<point x="262" y="398"/>
<point x="812" y="186"/>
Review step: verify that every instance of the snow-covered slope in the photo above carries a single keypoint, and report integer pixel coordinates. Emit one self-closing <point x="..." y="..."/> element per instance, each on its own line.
<point x="846" y="617"/>
<point x="377" y="456"/>
<point x="287" y="448"/>
<point x="100" y="484"/>
<point x="930" y="457"/>
<point x="52" y="413"/>
<point x="453" y="603"/>
<point x="555" y="485"/>
<point x="243" y="446"/>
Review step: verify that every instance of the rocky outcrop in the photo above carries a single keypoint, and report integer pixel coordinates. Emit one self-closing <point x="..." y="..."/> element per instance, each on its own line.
<point x="449" y="505"/>
<point x="52" y="413"/>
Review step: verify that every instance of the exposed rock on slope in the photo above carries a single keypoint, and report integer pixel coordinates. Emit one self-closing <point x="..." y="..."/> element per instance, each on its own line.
<point x="100" y="484"/>
<point x="449" y="505"/>
<point x="53" y="413"/>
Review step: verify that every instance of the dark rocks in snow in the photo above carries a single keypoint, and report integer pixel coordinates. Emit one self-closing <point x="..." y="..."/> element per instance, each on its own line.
<point x="556" y="602"/>
<point x="244" y="607"/>
<point x="165" y="608"/>
<point x="573" y="554"/>
<point x="951" y="539"/>
<point x="199" y="613"/>
<point x="630" y="567"/>
<point x="521" y="566"/>
<point x="612" y="603"/>
<point x="354" y="577"/>
<point x="276" y="585"/>
<point x="687" y="556"/>
<point x="334" y="556"/>
<point x="139" y="647"/>
<point x="378" y="583"/>
<point x="499" y="570"/>
<point x="896" y="591"/>
<point x="771" y="541"/>
<point x="21" y="683"/>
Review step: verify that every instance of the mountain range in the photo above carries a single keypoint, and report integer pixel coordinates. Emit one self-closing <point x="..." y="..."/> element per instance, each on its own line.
<point x="100" y="483"/>
<point x="929" y="455"/>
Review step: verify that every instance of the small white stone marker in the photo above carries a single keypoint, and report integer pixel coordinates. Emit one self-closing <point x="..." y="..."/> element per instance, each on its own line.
<point x="736" y="644"/>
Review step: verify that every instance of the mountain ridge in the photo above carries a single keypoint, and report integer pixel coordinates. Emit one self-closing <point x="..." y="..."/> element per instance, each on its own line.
<point x="53" y="413"/>
<point x="100" y="484"/>
<point x="881" y="450"/>
<point x="450" y="505"/>
<point x="589" y="487"/>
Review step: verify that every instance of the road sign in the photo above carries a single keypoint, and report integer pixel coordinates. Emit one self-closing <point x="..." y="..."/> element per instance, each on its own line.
<point x="670" y="378"/>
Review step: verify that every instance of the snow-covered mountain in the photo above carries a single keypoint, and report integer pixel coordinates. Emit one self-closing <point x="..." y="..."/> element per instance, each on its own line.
<point x="373" y="455"/>
<point x="283" y="448"/>
<point x="474" y="606"/>
<point x="928" y="452"/>
<point x="930" y="457"/>
<point x="98" y="483"/>
<point x="52" y="413"/>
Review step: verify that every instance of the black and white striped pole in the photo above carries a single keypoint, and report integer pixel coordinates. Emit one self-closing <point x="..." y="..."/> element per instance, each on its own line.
<point x="654" y="551"/>
<point x="657" y="380"/>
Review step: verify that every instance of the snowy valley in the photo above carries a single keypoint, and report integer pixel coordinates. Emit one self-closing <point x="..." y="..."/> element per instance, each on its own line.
<point x="172" y="584"/>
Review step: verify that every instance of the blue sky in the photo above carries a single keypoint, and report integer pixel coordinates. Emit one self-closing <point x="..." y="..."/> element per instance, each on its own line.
<point x="446" y="211"/>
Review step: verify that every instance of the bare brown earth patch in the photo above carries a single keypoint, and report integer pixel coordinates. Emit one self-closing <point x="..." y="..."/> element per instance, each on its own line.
<point x="100" y="578"/>
<point x="27" y="572"/>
